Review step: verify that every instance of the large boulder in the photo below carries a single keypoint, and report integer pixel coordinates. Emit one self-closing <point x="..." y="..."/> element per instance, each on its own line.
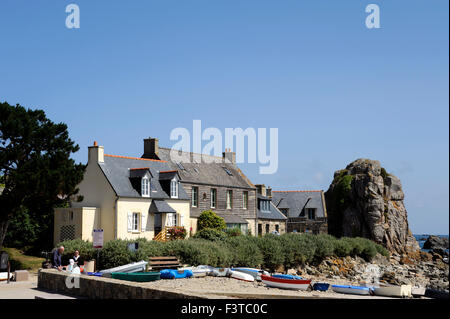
<point x="365" y="201"/>
<point x="436" y="242"/>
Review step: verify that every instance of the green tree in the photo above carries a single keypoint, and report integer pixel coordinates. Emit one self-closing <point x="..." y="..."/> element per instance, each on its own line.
<point x="35" y="165"/>
<point x="209" y="219"/>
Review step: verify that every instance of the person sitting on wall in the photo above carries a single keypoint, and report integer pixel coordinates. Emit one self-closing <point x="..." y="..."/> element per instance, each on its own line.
<point x="56" y="259"/>
<point x="77" y="258"/>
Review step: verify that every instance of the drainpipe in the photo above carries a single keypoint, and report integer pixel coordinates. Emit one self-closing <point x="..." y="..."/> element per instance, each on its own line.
<point x="116" y="215"/>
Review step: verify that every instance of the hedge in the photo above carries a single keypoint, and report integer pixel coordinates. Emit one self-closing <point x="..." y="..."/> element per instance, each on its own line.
<point x="269" y="252"/>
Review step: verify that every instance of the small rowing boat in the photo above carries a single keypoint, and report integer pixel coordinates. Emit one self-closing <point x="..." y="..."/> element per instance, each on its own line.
<point x="136" y="276"/>
<point x="220" y="272"/>
<point x="393" y="291"/>
<point x="352" y="290"/>
<point x="197" y="271"/>
<point x="133" y="267"/>
<point x="321" y="286"/>
<point x="175" y="274"/>
<point x="418" y="291"/>
<point x="283" y="282"/>
<point x="4" y="276"/>
<point x="241" y="276"/>
<point x="256" y="273"/>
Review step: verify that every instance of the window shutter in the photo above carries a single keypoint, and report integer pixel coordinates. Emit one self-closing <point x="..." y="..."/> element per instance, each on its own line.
<point x="181" y="219"/>
<point x="143" y="223"/>
<point x="130" y="222"/>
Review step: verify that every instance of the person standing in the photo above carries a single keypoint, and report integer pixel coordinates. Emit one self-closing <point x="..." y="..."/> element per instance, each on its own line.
<point x="56" y="260"/>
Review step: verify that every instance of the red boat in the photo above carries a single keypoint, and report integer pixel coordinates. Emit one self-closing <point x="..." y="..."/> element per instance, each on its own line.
<point x="285" y="283"/>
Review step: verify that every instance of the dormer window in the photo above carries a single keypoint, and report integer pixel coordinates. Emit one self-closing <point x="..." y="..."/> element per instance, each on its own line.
<point x="145" y="187"/>
<point x="264" y="205"/>
<point x="174" y="188"/>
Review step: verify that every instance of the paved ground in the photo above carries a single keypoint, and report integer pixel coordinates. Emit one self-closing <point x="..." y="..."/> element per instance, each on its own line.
<point x="27" y="290"/>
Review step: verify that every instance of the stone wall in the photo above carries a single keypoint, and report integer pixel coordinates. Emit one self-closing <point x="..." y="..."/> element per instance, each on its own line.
<point x="281" y="225"/>
<point x="103" y="288"/>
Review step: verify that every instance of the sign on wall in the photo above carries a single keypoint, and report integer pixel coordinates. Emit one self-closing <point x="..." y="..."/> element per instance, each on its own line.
<point x="98" y="238"/>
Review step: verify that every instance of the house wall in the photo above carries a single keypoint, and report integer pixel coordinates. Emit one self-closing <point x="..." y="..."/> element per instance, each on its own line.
<point x="272" y="223"/>
<point x="84" y="220"/>
<point x="97" y="192"/>
<point x="301" y="225"/>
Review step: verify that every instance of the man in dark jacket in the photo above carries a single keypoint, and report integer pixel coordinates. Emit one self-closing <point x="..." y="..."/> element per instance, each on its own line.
<point x="56" y="259"/>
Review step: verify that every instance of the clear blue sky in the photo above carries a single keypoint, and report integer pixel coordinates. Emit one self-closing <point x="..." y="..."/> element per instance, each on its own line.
<point x="336" y="90"/>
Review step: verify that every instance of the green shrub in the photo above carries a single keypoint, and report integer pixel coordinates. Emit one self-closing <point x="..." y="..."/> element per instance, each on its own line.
<point x="245" y="251"/>
<point x="325" y="246"/>
<point x="86" y="249"/>
<point x="233" y="232"/>
<point x="116" y="253"/>
<point x="381" y="250"/>
<point x="272" y="251"/>
<point x="342" y="248"/>
<point x="211" y="234"/>
<point x="209" y="219"/>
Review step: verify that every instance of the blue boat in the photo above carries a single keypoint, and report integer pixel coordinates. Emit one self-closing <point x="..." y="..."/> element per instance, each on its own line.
<point x="321" y="286"/>
<point x="175" y="274"/>
<point x="97" y="274"/>
<point x="353" y="290"/>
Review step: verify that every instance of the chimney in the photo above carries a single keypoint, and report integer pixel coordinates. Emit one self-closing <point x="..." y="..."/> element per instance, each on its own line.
<point x="96" y="154"/>
<point x="151" y="148"/>
<point x="261" y="189"/>
<point x="269" y="192"/>
<point x="229" y="156"/>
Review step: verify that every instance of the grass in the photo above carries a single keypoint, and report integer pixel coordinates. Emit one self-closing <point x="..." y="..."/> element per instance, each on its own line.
<point x="20" y="261"/>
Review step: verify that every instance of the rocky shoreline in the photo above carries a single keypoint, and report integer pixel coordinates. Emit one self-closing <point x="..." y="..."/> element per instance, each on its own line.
<point x="396" y="270"/>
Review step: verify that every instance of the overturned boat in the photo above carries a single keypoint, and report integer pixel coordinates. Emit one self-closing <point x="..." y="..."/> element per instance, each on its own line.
<point x="138" y="266"/>
<point x="241" y="276"/>
<point x="256" y="273"/>
<point x="286" y="282"/>
<point x="393" y="291"/>
<point x="352" y="290"/>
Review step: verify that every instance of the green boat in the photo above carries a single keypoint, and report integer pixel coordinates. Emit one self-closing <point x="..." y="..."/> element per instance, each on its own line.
<point x="136" y="276"/>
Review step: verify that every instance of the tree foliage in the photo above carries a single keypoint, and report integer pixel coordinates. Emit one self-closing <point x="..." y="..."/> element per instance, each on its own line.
<point x="35" y="165"/>
<point x="209" y="219"/>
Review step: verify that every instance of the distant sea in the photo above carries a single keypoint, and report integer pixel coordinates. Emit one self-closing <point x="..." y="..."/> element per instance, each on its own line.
<point x="421" y="239"/>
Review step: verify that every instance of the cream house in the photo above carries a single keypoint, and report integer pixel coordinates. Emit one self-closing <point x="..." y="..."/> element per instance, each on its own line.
<point x="127" y="197"/>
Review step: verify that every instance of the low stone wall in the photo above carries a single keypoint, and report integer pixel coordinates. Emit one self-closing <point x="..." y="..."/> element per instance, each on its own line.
<point x="103" y="288"/>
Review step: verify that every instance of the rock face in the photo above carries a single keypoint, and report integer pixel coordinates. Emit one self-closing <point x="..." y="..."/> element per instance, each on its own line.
<point x="365" y="201"/>
<point x="436" y="242"/>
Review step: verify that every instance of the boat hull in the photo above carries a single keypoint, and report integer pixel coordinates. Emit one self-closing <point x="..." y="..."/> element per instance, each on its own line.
<point x="321" y="286"/>
<point x="241" y="276"/>
<point x="137" y="276"/>
<point x="351" y="290"/>
<point x="396" y="291"/>
<point x="256" y="273"/>
<point x="292" y="284"/>
<point x="175" y="274"/>
<point x="133" y="267"/>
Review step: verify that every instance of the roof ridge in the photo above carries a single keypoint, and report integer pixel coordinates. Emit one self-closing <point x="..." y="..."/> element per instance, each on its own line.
<point x="166" y="148"/>
<point x="135" y="158"/>
<point x="139" y="168"/>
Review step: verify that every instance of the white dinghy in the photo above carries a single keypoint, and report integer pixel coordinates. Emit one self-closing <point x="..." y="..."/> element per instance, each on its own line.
<point x="394" y="291"/>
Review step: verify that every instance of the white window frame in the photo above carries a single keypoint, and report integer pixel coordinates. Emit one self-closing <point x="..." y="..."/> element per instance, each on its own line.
<point x="194" y="196"/>
<point x="229" y="199"/>
<point x="135" y="222"/>
<point x="265" y="206"/>
<point x="213" y="199"/>
<point x="245" y="200"/>
<point x="174" y="188"/>
<point x="145" y="187"/>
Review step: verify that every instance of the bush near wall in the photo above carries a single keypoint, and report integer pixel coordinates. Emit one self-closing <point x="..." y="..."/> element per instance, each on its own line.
<point x="269" y="252"/>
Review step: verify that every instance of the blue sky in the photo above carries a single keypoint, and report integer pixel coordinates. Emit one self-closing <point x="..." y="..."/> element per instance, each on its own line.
<point x="336" y="90"/>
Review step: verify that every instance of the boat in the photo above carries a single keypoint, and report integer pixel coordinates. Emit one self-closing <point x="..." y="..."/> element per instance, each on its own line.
<point x="196" y="271"/>
<point x="4" y="276"/>
<point x="138" y="266"/>
<point x="137" y="276"/>
<point x="241" y="276"/>
<point x="284" y="283"/>
<point x="97" y="274"/>
<point x="175" y="274"/>
<point x="221" y="272"/>
<point x="209" y="269"/>
<point x="418" y="291"/>
<point x="321" y="286"/>
<point x="393" y="291"/>
<point x="352" y="290"/>
<point x="283" y="276"/>
<point x="436" y="294"/>
<point x="256" y="273"/>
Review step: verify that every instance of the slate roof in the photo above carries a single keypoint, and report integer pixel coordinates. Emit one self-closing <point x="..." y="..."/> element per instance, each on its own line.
<point x="295" y="200"/>
<point x="207" y="173"/>
<point x="160" y="206"/>
<point x="274" y="212"/>
<point x="117" y="171"/>
<point x="232" y="218"/>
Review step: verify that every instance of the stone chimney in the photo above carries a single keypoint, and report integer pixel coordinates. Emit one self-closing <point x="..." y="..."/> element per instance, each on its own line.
<point x="269" y="192"/>
<point x="151" y="148"/>
<point x="261" y="189"/>
<point x="96" y="153"/>
<point x="229" y="156"/>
